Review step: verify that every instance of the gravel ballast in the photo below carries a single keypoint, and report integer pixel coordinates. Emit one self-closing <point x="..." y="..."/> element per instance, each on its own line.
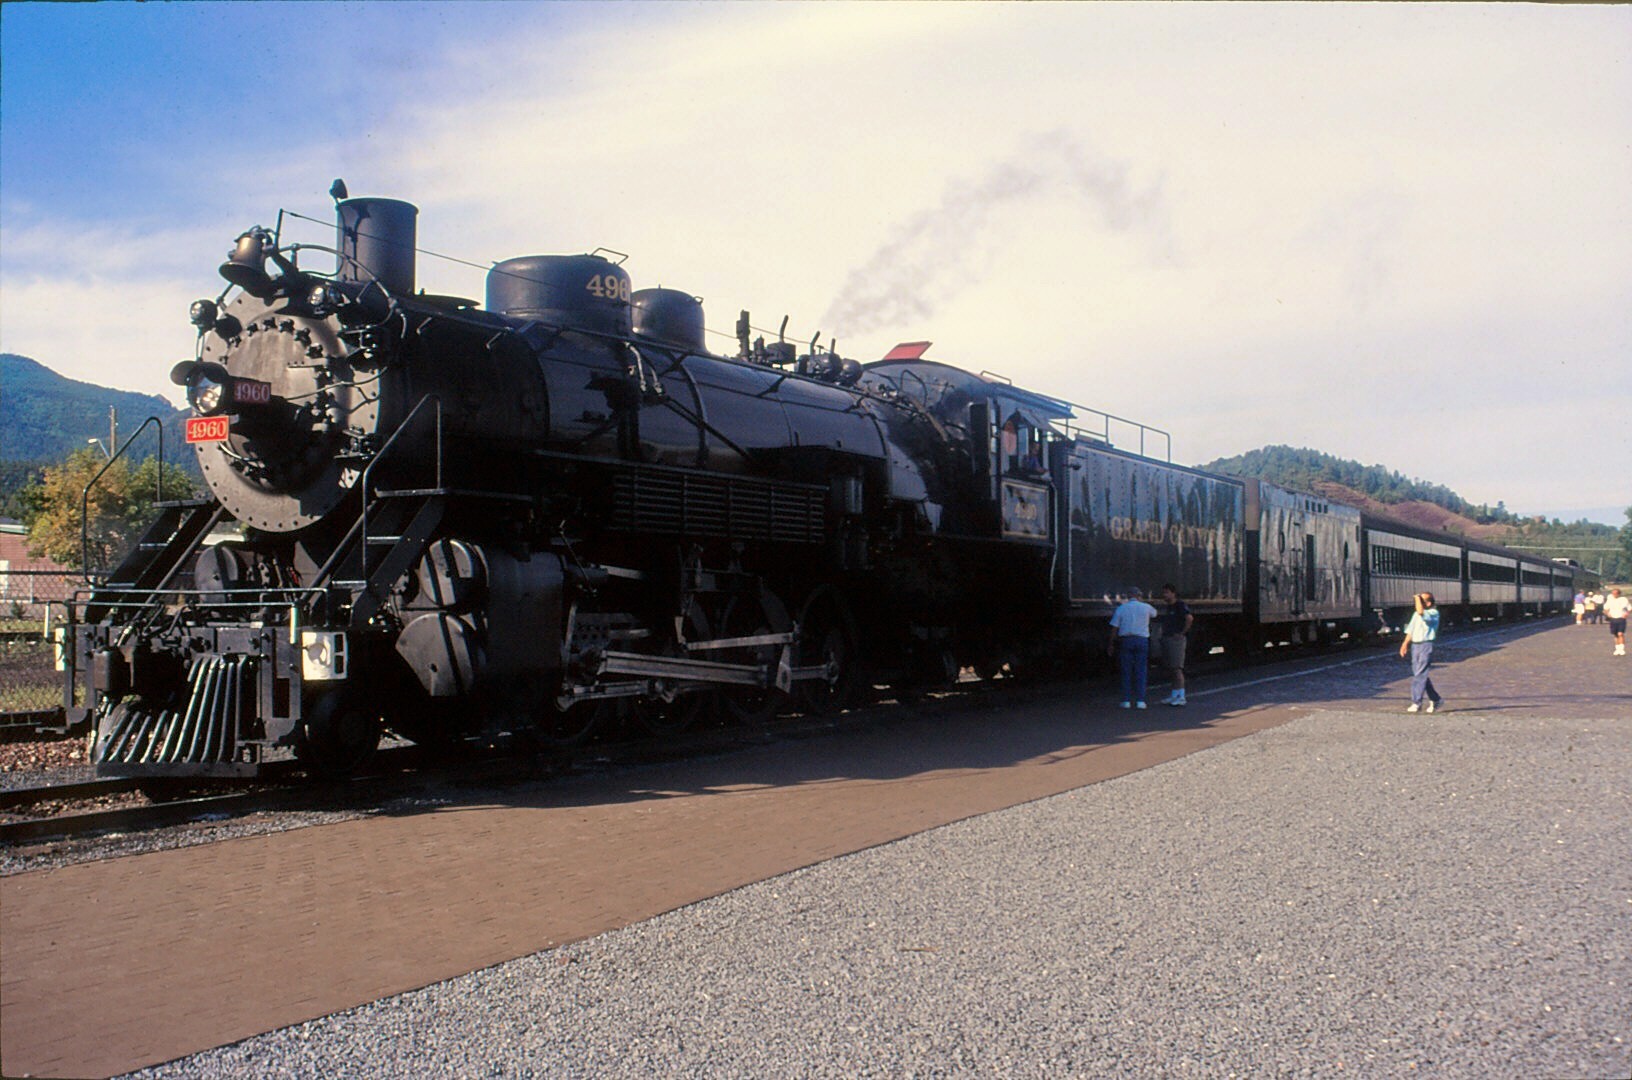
<point x="1352" y="893"/>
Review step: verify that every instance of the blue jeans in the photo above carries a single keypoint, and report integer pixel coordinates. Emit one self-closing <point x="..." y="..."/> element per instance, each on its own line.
<point x="1422" y="655"/>
<point x="1133" y="661"/>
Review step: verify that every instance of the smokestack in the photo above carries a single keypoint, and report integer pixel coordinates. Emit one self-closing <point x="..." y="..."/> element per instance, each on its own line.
<point x="376" y="242"/>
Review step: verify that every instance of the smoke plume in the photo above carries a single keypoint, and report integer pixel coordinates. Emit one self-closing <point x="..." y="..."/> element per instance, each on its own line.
<point x="935" y="254"/>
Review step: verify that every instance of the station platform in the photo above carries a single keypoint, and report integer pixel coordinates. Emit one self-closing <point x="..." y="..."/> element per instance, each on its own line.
<point x="109" y="966"/>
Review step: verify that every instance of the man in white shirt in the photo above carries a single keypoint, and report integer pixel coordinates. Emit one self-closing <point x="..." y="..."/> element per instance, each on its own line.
<point x="1616" y="609"/>
<point x="1130" y="642"/>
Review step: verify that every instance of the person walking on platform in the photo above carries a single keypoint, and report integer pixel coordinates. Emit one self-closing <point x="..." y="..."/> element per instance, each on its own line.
<point x="1130" y="627"/>
<point x="1176" y="623"/>
<point x="1580" y="607"/>
<point x="1420" y="633"/>
<point x="1616" y="609"/>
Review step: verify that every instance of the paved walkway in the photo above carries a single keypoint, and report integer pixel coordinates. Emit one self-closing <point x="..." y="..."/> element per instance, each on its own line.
<point x="109" y="966"/>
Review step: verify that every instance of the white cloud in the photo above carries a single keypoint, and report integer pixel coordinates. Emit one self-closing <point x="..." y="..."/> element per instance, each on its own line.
<point x="70" y="326"/>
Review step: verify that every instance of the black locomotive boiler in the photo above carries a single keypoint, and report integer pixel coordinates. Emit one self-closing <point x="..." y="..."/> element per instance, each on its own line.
<point x="526" y="517"/>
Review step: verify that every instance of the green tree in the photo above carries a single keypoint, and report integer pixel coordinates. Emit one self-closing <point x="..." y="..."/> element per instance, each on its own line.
<point x="115" y="511"/>
<point x="1626" y="539"/>
<point x="15" y="478"/>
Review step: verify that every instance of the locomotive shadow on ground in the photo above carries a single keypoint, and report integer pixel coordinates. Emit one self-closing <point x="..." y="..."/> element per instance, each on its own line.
<point x="1035" y="724"/>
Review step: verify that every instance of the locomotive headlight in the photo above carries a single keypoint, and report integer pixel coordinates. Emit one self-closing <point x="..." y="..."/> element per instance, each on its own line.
<point x="207" y="386"/>
<point x="325" y="299"/>
<point x="206" y="395"/>
<point x="202" y="314"/>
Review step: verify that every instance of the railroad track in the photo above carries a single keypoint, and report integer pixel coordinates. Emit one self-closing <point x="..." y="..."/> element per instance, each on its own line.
<point x="34" y="794"/>
<point x="166" y="802"/>
<point x="124" y="818"/>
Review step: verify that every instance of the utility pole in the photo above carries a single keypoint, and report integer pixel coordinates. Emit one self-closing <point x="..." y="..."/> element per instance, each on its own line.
<point x="113" y="430"/>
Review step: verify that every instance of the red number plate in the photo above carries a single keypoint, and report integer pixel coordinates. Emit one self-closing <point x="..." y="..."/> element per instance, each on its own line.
<point x="207" y="429"/>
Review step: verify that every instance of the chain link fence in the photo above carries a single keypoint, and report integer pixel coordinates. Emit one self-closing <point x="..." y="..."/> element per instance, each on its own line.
<point x="33" y="603"/>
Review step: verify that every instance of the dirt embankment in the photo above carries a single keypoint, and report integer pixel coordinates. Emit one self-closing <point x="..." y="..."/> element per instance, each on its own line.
<point x="1424" y="515"/>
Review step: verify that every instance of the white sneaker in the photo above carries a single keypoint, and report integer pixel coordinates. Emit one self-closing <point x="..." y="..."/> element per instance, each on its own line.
<point x="1139" y="704"/>
<point x="1414" y="707"/>
<point x="1127" y="704"/>
<point x="1430" y="707"/>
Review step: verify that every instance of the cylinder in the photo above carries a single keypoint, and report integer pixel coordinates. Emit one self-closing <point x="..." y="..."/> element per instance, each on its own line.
<point x="376" y="242"/>
<point x="669" y="317"/>
<point x="579" y="292"/>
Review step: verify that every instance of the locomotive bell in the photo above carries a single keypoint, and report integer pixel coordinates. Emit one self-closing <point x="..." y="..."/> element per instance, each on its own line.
<point x="246" y="264"/>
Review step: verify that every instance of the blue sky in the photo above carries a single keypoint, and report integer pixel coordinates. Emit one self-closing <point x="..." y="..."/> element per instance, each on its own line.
<point x="1396" y="233"/>
<point x="111" y="109"/>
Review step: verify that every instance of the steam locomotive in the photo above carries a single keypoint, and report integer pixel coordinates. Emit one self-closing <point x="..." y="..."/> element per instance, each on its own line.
<point x="529" y="517"/>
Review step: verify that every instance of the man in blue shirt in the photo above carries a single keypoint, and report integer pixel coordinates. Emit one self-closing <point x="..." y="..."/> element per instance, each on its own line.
<point x="1420" y="633"/>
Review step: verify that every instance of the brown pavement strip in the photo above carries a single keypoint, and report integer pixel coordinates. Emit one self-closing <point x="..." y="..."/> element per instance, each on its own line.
<point x="109" y="966"/>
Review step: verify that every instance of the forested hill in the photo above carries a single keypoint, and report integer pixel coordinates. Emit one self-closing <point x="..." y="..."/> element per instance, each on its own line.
<point x="1303" y="469"/>
<point x="1380" y="490"/>
<point x="44" y="415"/>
